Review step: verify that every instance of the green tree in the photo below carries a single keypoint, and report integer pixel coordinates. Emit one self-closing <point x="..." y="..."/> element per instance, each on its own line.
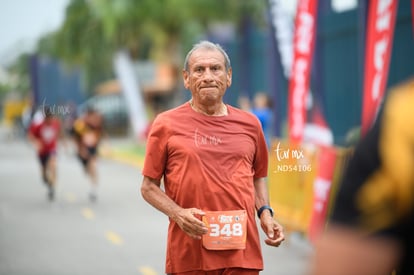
<point x="81" y="42"/>
<point x="149" y="29"/>
<point x="21" y="77"/>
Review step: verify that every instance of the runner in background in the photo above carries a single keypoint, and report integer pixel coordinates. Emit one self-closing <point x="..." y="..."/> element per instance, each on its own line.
<point x="87" y="132"/>
<point x="372" y="224"/>
<point x="44" y="134"/>
<point x="262" y="109"/>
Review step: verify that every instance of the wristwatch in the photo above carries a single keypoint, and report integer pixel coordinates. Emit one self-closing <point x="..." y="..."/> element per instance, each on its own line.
<point x="264" y="207"/>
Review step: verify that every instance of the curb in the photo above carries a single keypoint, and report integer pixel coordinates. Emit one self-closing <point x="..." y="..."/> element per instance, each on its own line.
<point x="107" y="152"/>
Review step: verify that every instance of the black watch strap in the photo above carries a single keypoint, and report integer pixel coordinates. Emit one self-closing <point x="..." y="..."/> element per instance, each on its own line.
<point x="264" y="207"/>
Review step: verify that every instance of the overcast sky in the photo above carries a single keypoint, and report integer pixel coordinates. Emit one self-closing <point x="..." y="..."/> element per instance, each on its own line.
<point x="22" y="22"/>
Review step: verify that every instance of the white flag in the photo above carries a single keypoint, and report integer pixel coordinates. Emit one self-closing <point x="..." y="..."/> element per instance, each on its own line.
<point x="132" y="92"/>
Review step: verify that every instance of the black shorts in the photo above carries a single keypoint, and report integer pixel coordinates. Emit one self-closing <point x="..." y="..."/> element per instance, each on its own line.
<point x="44" y="158"/>
<point x="92" y="151"/>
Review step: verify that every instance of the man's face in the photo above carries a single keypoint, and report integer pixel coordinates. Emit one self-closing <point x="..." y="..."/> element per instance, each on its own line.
<point x="207" y="78"/>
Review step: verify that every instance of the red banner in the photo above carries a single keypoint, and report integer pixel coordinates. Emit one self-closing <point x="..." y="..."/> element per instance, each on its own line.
<point x="380" y="32"/>
<point x="321" y="191"/>
<point x="303" y="44"/>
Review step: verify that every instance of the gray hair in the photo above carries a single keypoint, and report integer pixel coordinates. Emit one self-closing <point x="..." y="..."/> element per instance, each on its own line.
<point x="208" y="46"/>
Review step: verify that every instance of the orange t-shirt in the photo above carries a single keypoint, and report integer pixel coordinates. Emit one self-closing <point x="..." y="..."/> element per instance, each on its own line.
<point x="208" y="162"/>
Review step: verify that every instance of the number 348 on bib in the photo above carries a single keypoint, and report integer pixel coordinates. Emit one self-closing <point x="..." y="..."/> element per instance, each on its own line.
<point x="226" y="230"/>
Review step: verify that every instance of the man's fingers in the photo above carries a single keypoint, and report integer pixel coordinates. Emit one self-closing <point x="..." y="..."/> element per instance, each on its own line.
<point x="270" y="233"/>
<point x="192" y="224"/>
<point x="277" y="239"/>
<point x="196" y="211"/>
<point x="273" y="242"/>
<point x="274" y="232"/>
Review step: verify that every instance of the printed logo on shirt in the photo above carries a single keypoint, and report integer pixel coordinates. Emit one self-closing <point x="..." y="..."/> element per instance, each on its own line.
<point x="202" y="139"/>
<point x="48" y="134"/>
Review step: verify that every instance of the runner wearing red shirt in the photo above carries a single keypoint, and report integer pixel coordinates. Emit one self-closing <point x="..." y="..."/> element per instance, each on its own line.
<point x="44" y="135"/>
<point x="213" y="159"/>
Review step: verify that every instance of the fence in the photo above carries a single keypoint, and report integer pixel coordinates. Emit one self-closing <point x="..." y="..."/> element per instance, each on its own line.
<point x="294" y="182"/>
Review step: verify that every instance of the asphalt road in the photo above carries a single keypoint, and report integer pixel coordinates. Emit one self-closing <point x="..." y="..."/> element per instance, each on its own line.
<point x="118" y="234"/>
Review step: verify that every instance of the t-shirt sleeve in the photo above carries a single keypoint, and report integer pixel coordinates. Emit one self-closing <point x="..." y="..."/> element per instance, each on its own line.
<point x="34" y="129"/>
<point x="261" y="158"/>
<point x="156" y="149"/>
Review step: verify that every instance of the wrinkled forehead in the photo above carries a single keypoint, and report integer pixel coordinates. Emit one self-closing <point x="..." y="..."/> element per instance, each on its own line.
<point x="206" y="57"/>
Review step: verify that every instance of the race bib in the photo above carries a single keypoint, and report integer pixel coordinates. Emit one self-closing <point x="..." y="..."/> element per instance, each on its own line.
<point x="226" y="230"/>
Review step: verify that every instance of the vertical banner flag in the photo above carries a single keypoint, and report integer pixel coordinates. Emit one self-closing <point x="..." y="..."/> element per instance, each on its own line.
<point x="321" y="191"/>
<point x="282" y="23"/>
<point x="132" y="92"/>
<point x="303" y="44"/>
<point x="381" y="23"/>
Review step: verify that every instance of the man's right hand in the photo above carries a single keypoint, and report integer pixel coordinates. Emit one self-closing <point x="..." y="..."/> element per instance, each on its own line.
<point x="189" y="223"/>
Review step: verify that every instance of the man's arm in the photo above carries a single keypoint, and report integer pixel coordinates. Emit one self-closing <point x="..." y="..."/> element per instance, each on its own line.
<point x="184" y="217"/>
<point x="344" y="251"/>
<point x="271" y="228"/>
<point x="33" y="138"/>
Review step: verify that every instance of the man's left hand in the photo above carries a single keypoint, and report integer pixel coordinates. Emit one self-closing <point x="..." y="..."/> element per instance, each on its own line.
<point x="272" y="229"/>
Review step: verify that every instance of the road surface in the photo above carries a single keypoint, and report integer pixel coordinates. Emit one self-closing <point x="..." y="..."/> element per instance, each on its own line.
<point x="118" y="234"/>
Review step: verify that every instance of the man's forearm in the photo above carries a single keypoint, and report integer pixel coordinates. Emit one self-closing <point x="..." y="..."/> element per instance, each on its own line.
<point x="261" y="193"/>
<point x="153" y="194"/>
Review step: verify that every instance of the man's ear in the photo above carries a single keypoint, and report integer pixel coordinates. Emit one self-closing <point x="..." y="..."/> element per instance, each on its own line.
<point x="185" y="79"/>
<point x="229" y="77"/>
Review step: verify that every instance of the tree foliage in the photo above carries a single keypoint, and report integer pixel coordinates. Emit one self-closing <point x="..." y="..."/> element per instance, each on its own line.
<point x="149" y="29"/>
<point x="19" y="81"/>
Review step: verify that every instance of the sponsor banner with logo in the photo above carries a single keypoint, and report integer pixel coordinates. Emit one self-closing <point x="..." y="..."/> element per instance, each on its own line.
<point x="322" y="187"/>
<point x="282" y="23"/>
<point x="303" y="45"/>
<point x="380" y="32"/>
